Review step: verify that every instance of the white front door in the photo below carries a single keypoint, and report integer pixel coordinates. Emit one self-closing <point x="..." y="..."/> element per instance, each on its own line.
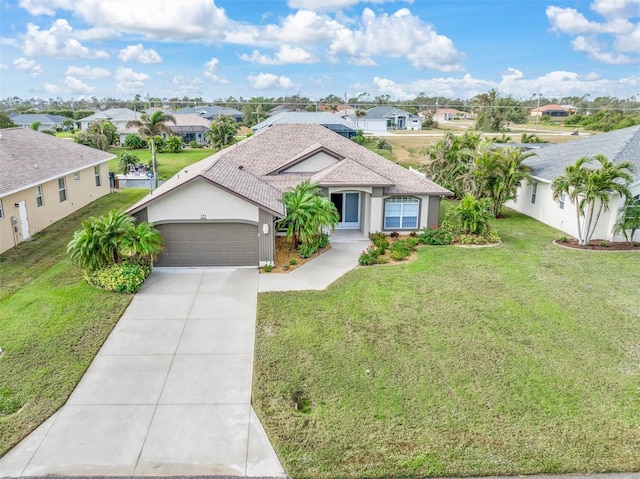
<point x="24" y="221"/>
<point x="348" y="206"/>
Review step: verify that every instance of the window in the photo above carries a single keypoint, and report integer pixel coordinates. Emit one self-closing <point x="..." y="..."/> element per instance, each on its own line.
<point x="39" y="198"/>
<point x="561" y="202"/>
<point x="534" y="190"/>
<point x="62" y="190"/>
<point x="76" y="175"/>
<point x="401" y="213"/>
<point x="96" y="172"/>
<point x="1" y="210"/>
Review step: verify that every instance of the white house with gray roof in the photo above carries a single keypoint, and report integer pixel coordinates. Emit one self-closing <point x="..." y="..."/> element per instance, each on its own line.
<point x="383" y="118"/>
<point x="44" y="179"/>
<point x="47" y="121"/>
<point x="223" y="210"/>
<point x="323" y="118"/>
<point x="535" y="199"/>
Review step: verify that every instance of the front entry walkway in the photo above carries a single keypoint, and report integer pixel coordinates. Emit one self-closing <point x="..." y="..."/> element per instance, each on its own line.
<point x="169" y="393"/>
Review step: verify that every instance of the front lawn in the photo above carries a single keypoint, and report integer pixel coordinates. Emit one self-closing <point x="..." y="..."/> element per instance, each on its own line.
<point x="516" y="359"/>
<point x="168" y="163"/>
<point x="52" y="322"/>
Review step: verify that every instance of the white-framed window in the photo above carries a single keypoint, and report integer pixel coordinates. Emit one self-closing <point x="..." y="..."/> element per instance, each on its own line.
<point x="561" y="201"/>
<point x="96" y="172"/>
<point x="534" y="192"/>
<point x="1" y="210"/>
<point x="39" y="197"/>
<point x="62" y="189"/>
<point x="401" y="213"/>
<point x="76" y="175"/>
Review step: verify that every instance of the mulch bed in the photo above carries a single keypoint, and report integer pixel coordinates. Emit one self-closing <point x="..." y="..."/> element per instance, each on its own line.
<point x="595" y="245"/>
<point x="285" y="252"/>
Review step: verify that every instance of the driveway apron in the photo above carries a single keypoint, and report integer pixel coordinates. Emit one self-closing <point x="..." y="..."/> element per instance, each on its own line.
<point x="169" y="393"/>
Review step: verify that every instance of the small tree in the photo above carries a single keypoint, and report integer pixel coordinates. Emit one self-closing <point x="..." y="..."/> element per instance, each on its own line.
<point x="103" y="134"/>
<point x="125" y="159"/>
<point x="6" y="121"/>
<point x="471" y="216"/>
<point x="175" y="144"/>
<point x="628" y="220"/>
<point x="35" y="125"/>
<point x="134" y="141"/>
<point x="222" y="132"/>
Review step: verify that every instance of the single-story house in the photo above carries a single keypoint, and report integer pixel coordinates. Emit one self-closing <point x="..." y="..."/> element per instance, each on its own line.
<point x="550" y="110"/>
<point x="211" y="112"/>
<point x="44" y="179"/>
<point x="118" y="116"/>
<point x="223" y="210"/>
<point x="324" y="118"/>
<point x="535" y="199"/>
<point x="188" y="126"/>
<point x="47" y="122"/>
<point x="383" y="118"/>
<point x="449" y="114"/>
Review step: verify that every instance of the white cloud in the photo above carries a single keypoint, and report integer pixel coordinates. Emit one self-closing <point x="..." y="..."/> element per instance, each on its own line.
<point x="137" y="53"/>
<point x="58" y="42"/>
<point x="51" y="89"/>
<point x="269" y="81"/>
<point x="129" y="81"/>
<point x="45" y="7"/>
<point x="77" y="87"/>
<point x="183" y="85"/>
<point x="88" y="72"/>
<point x="302" y="27"/>
<point x="332" y="5"/>
<point x="399" y="35"/>
<point x="211" y="71"/>
<point x="30" y="67"/>
<point x="283" y="56"/>
<point x="615" y="39"/>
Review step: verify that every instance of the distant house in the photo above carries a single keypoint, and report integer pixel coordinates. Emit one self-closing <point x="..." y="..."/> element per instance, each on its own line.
<point x="118" y="116"/>
<point x="44" y="179"/>
<point x="211" y="112"/>
<point x="47" y="122"/>
<point x="326" y="119"/>
<point x="535" y="199"/>
<point x="550" y="110"/>
<point x="188" y="126"/>
<point x="383" y="118"/>
<point x="449" y="114"/>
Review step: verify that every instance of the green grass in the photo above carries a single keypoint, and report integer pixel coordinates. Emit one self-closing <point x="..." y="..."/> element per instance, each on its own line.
<point x="53" y="322"/>
<point x="516" y="359"/>
<point x="168" y="163"/>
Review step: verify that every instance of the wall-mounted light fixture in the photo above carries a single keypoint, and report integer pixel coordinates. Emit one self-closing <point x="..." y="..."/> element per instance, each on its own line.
<point x="265" y="228"/>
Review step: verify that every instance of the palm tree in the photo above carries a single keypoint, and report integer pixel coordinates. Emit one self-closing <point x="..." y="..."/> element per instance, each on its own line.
<point x="591" y="188"/>
<point x="103" y="133"/>
<point x="360" y="113"/>
<point x="222" y="132"/>
<point x="149" y="127"/>
<point x="628" y="220"/>
<point x="143" y="244"/>
<point x="175" y="144"/>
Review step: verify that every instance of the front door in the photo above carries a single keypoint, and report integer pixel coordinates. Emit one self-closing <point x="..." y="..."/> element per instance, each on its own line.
<point x="24" y="221"/>
<point x="348" y="206"/>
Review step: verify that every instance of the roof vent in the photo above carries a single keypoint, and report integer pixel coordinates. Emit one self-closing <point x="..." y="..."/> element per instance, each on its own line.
<point x="241" y="167"/>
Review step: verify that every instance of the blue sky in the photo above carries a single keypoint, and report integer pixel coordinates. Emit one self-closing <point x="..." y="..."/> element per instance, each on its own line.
<point x="243" y="48"/>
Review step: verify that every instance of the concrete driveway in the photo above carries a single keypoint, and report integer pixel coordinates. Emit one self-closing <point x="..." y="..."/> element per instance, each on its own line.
<point x="169" y="393"/>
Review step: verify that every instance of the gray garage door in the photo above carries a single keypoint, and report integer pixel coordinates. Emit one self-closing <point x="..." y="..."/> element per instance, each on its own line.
<point x="208" y="244"/>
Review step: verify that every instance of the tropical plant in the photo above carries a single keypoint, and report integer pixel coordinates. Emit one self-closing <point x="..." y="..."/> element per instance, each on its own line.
<point x="111" y="239"/>
<point x="471" y="216"/>
<point x="175" y="144"/>
<point x="222" y="132"/>
<point x="308" y="213"/>
<point x="35" y="125"/>
<point x="360" y="113"/>
<point x="134" y="141"/>
<point x="494" y="112"/>
<point x="531" y="138"/>
<point x="628" y="220"/>
<point x="6" y="121"/>
<point x="68" y="124"/>
<point x="590" y="189"/>
<point x="125" y="159"/>
<point x="150" y="127"/>
<point x="103" y="134"/>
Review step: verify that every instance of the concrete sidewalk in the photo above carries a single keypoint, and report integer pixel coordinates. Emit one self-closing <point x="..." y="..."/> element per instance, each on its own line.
<point x="321" y="271"/>
<point x="169" y="393"/>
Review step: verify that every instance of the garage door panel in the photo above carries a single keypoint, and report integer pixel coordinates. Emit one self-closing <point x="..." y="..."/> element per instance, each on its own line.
<point x="209" y="244"/>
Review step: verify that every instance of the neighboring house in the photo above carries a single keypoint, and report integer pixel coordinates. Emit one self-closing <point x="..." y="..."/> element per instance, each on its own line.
<point x="223" y="210"/>
<point x="118" y="116"/>
<point x="449" y="114"/>
<point x="535" y="199"/>
<point x="44" y="179"/>
<point x="383" y="118"/>
<point x="550" y="110"/>
<point x="188" y="126"/>
<point x="324" y="118"/>
<point x="211" y="112"/>
<point x="47" y="122"/>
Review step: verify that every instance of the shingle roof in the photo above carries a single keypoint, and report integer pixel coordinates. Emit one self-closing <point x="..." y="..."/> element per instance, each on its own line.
<point x="617" y="146"/>
<point x="305" y="118"/>
<point x="44" y="118"/>
<point x="387" y="112"/>
<point x="29" y="158"/>
<point x="247" y="168"/>
<point x="114" y="114"/>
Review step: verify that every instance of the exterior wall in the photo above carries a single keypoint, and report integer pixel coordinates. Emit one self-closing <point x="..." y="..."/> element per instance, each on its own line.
<point x="548" y="211"/>
<point x="266" y="241"/>
<point x="80" y="193"/>
<point x="370" y="125"/>
<point x="432" y="211"/>
<point x="414" y="124"/>
<point x="198" y="198"/>
<point x="317" y="162"/>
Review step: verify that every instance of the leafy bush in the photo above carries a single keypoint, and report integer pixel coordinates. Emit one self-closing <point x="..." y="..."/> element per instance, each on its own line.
<point x="125" y="159"/>
<point x="323" y="240"/>
<point x="119" y="277"/>
<point x="194" y="144"/>
<point x="435" y="236"/>
<point x="380" y="241"/>
<point x="175" y="144"/>
<point x="471" y="216"/>
<point x="267" y="268"/>
<point x="160" y="142"/>
<point x="307" y="249"/>
<point x="369" y="256"/>
<point x="402" y="248"/>
<point x="134" y="141"/>
<point x="293" y="262"/>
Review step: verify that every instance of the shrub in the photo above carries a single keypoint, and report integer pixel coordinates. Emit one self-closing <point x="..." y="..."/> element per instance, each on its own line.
<point x="160" y="142"/>
<point x="267" y="268"/>
<point x="435" y="236"/>
<point x="194" y="144"/>
<point x="293" y="262"/>
<point x="307" y="249"/>
<point x="380" y="241"/>
<point x="125" y="159"/>
<point x="395" y="234"/>
<point x="369" y="256"/>
<point x="134" y="141"/>
<point x="604" y="243"/>
<point x="323" y="241"/>
<point x="564" y="239"/>
<point x="119" y="277"/>
<point x="402" y="248"/>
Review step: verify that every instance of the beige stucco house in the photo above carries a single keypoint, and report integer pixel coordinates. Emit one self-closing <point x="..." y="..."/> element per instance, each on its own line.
<point x="43" y="179"/>
<point x="223" y="210"/>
